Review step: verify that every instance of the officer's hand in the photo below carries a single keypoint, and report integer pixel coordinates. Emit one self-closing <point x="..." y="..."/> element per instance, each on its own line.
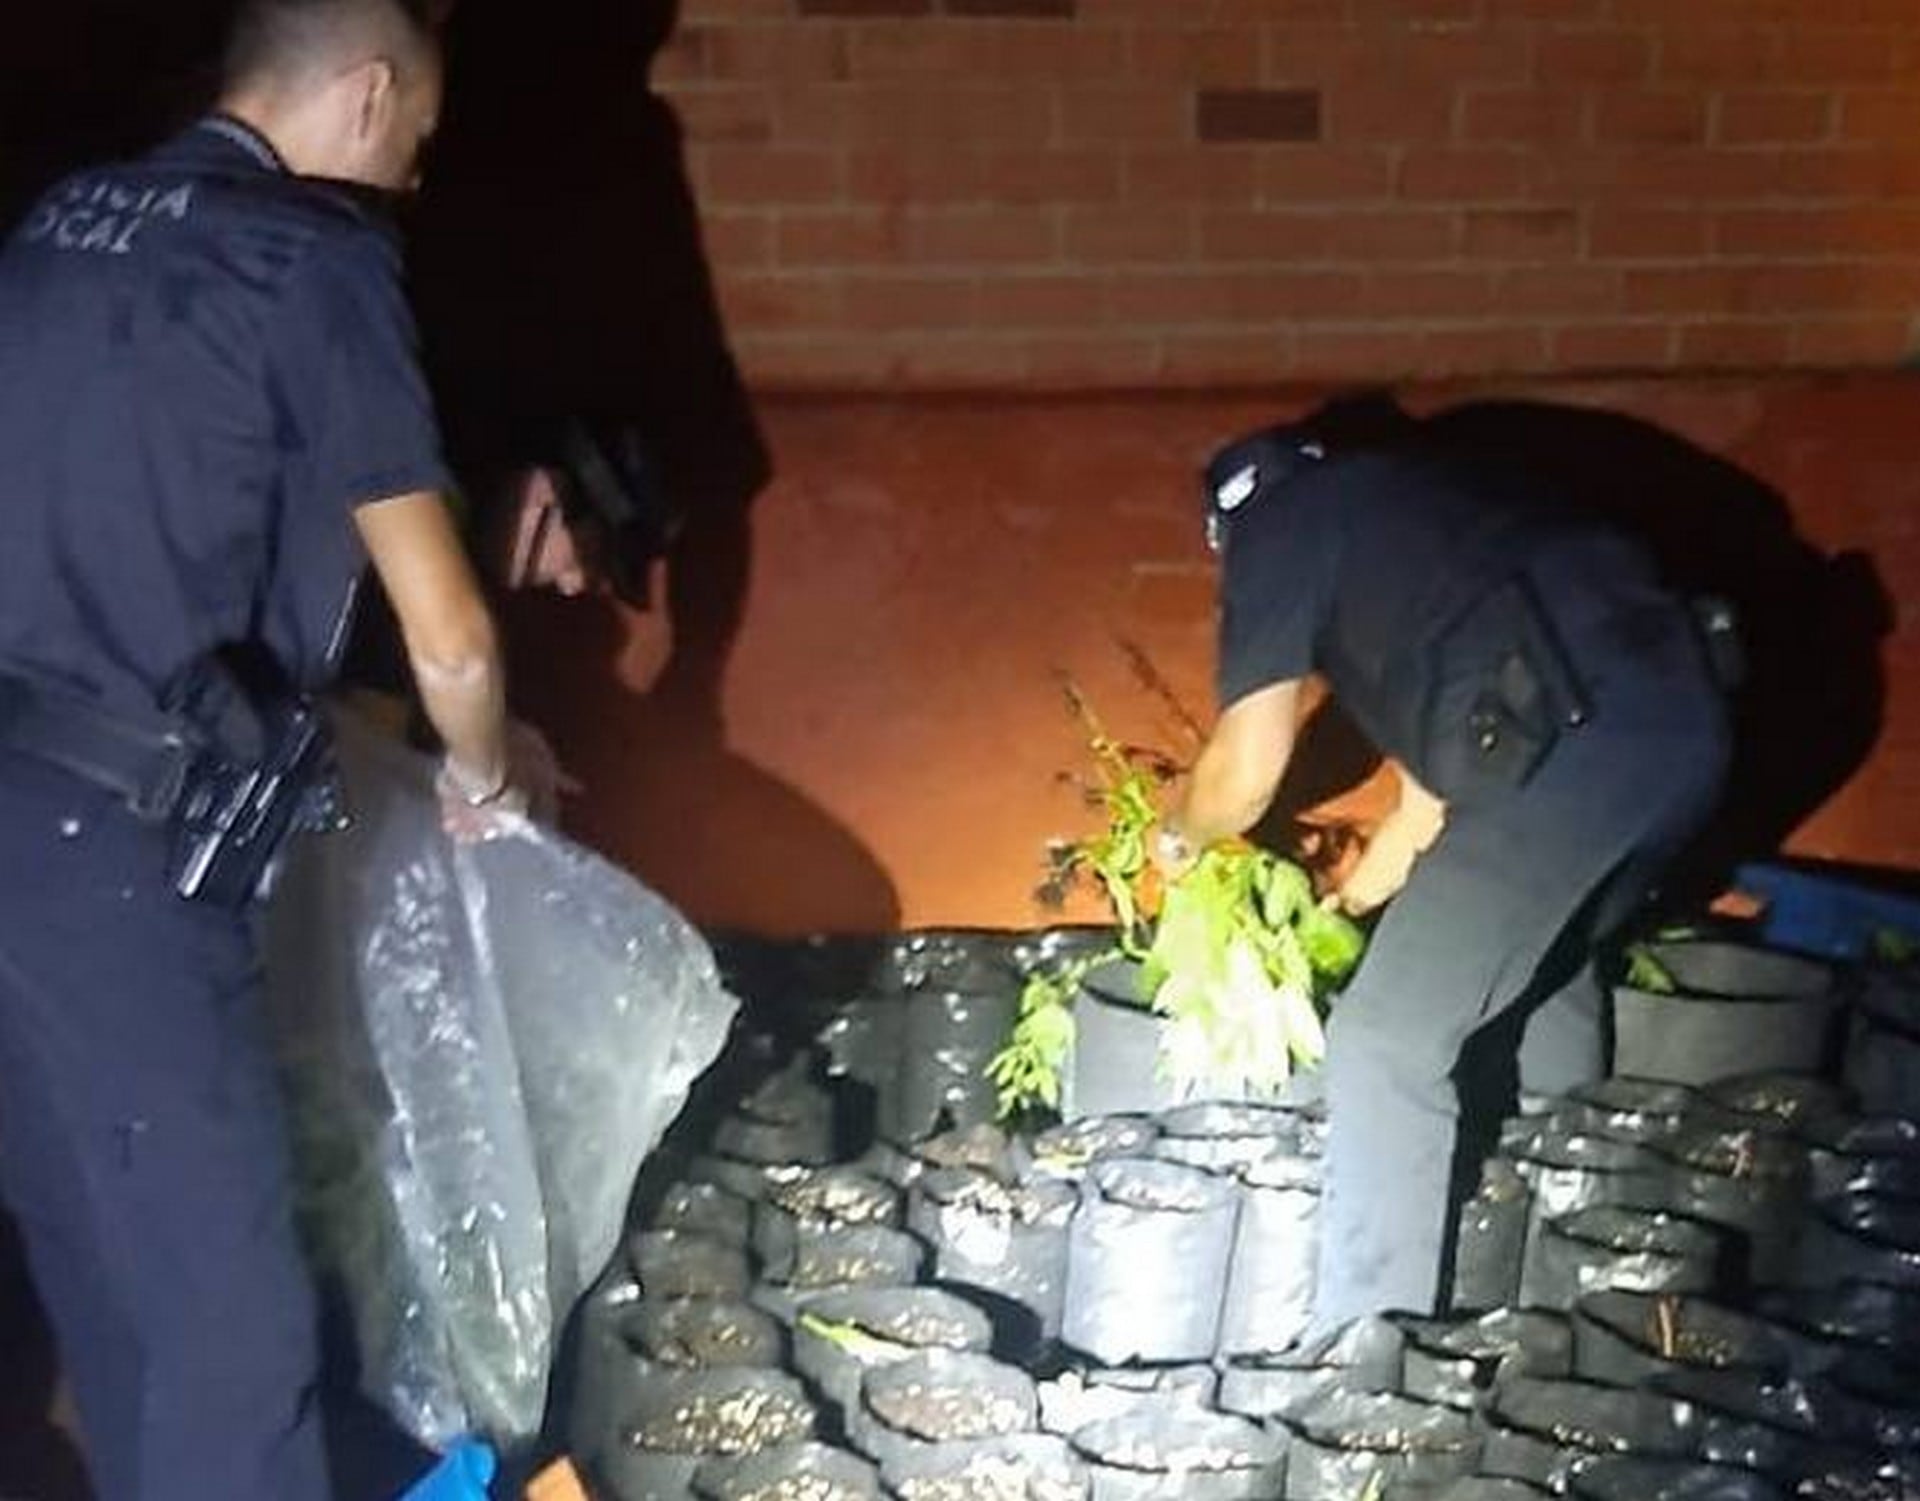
<point x="471" y="813"/>
<point x="1173" y="853"/>
<point x="535" y="768"/>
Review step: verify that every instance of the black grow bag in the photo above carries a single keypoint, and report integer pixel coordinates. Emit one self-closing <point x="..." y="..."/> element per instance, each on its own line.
<point x="1365" y="1356"/>
<point x="1623" y="1338"/>
<point x="910" y="1407"/>
<point x="1569" y="1172"/>
<point x="681" y="1420"/>
<point x="1462" y="1363"/>
<point x="1078" y="1396"/>
<point x="1631" y="1479"/>
<point x="1269" y="1298"/>
<point x="705" y="1209"/>
<point x="1873" y="1155"/>
<point x="1862" y="1238"/>
<point x="1491" y="1243"/>
<point x="1639" y="1250"/>
<point x="681" y="1264"/>
<point x="1019" y="1467"/>
<point x="1883" y="1045"/>
<point x="839" y="1336"/>
<point x="1348" y="1440"/>
<point x="832" y="1198"/>
<point x="1739" y="1010"/>
<point x="703" y="1333"/>
<point x="1066" y="1151"/>
<point x="1537" y="1429"/>
<point x="1226" y="1137"/>
<point x="1752" y="1183"/>
<point x="1007" y="1240"/>
<point x="1631" y="1110"/>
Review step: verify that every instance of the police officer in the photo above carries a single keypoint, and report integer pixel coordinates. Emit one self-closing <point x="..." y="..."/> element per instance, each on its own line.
<point x="1559" y="735"/>
<point x="210" y="420"/>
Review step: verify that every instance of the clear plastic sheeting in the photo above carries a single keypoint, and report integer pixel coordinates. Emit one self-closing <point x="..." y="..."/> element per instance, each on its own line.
<point x="482" y="1044"/>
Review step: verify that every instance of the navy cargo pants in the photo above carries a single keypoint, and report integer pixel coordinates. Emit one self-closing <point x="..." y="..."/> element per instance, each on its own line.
<point x="1497" y="925"/>
<point x="142" y="1148"/>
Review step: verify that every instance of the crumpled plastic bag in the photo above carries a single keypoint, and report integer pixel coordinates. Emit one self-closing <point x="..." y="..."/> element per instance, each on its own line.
<point x="481" y="1044"/>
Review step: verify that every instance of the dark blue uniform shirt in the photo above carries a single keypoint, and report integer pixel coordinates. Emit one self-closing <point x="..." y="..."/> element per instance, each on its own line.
<point x="205" y="365"/>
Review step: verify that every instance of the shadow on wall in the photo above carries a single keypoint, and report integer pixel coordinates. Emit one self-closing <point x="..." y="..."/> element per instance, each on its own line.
<point x="1812" y="624"/>
<point x="559" y="270"/>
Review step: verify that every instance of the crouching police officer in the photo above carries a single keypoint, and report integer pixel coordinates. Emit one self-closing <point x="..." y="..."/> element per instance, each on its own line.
<point x="1560" y="734"/>
<point x="210" y="419"/>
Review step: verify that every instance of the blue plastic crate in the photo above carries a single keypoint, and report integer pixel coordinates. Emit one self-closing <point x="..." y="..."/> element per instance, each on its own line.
<point x="1825" y="915"/>
<point x="463" y="1475"/>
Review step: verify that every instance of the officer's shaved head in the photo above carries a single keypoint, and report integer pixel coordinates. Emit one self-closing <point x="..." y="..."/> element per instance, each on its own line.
<point x="285" y="42"/>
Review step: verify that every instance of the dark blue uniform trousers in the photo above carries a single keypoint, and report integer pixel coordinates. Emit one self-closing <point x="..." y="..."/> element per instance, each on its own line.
<point x="142" y="1148"/>
<point x="1515" y="880"/>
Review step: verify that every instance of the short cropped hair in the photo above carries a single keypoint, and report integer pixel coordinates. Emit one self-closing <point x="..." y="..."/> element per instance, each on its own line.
<point x="284" y="39"/>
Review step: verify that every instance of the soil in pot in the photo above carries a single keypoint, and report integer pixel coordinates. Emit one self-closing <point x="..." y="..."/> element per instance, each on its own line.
<point x="792" y="1472"/>
<point x="1205" y="1456"/>
<point x="1348" y="1440"/>
<point x="1066" y="1151"/>
<point x="1461" y="1363"/>
<point x="839" y="1336"/>
<point x="705" y="1209"/>
<point x="701" y="1333"/>
<point x="681" y="1264"/>
<point x="1019" y="1467"/>
<point x="1624" y="1338"/>
<point x="1538" y="1429"/>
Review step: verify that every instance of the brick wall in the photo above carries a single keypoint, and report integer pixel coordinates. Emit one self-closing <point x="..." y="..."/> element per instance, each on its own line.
<point x="1054" y="193"/>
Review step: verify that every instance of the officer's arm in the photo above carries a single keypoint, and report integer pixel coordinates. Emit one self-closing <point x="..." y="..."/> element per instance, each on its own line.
<point x="449" y="632"/>
<point x="1239" y="770"/>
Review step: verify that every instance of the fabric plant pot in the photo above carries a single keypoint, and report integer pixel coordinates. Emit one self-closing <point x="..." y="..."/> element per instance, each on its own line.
<point x="680" y="1264"/>
<point x="1008" y="1240"/>
<point x="1631" y="1110"/>
<point x="839" y="1336"/>
<point x="1882" y="1064"/>
<point x="1347" y="1441"/>
<point x="786" y="1118"/>
<point x="684" y="1419"/>
<point x="1065" y="1152"/>
<point x="1565" y="1173"/>
<point x="1870" y="1155"/>
<point x="984" y="1147"/>
<point x="604" y="1364"/>
<point x="1461" y="1364"/>
<point x="1863" y="1478"/>
<point x="1626" y="1338"/>
<point x="1757" y="1420"/>
<point x="1148" y="1254"/>
<point x="1207" y="1456"/>
<point x="1627" y="1478"/>
<point x="705" y="1209"/>
<point x="805" y="1471"/>
<point x="1793" y="1104"/>
<point x="1270" y="1280"/>
<point x="1489" y="1488"/>
<point x="1019" y="1467"/>
<point x="1862" y="1238"/>
<point x="864" y="1258"/>
<point x="1862" y="1313"/>
<point x="1077" y="1397"/>
<point x="1114" y="1066"/>
<point x="1366" y="1356"/>
<point x="959" y="993"/>
<point x="1224" y="1138"/>
<point x="831" y="1198"/>
<point x="1490" y="1245"/>
<point x="1537" y="1430"/>
<point x="1752" y="1184"/>
<point x="1639" y="1250"/>
<point x="747" y="1180"/>
<point x="934" y="1397"/>
<point x="1738" y="1010"/>
<point x="688" y="1334"/>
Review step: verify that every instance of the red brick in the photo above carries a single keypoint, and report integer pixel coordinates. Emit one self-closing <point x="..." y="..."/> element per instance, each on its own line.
<point x="883" y="303"/>
<point x="1564" y="58"/>
<point x="1270" y="295"/>
<point x="1781" y="232"/>
<point x="765" y="176"/>
<point x="1645" y="117"/>
<point x="1209" y="56"/>
<point x="1324" y="174"/>
<point x="775" y="363"/>
<point x="1331" y="354"/>
<point x="1096" y="236"/>
<point x="1244" y="356"/>
<point x="1394" y="235"/>
<point x="1417" y="11"/>
<point x="955" y="363"/>
<point x="1048" y="300"/>
<point x="1735" y="54"/>
<point x="740" y="239"/>
<point x="750" y="302"/>
<point x="1123" y="114"/>
<point x="1613" y="346"/>
<point x="920" y="175"/>
<point x="1172" y="593"/>
<point x="883" y="51"/>
<point x="1451" y="294"/>
<point x="1823" y="57"/>
<point x="1559" y="292"/>
<point x="1276" y="115"/>
<point x="1490" y="53"/>
<point x="1364" y="110"/>
<point x="725" y="113"/>
<point x="1769" y="119"/>
<point x="1735" y="346"/>
<point x="1689" y="289"/>
<point x="1880" y="116"/>
<point x="1523" y="234"/>
<point x="1563" y="11"/>
<point x="863" y="8"/>
<point x="1192" y="174"/>
<point x="1482" y="351"/>
<point x="838" y="237"/>
<point x="1170" y="297"/>
<point x="1058" y="55"/>
<point x="787" y="53"/>
<point x="1074" y="363"/>
<point x="1033" y="10"/>
<point x="1524" y="116"/>
<point x="979" y="237"/>
<point x="1877" y="340"/>
<point x="1646" y="234"/>
<point x="1260" y="235"/>
<point x="1050" y="177"/>
<point x="876" y="114"/>
<point x="1480" y="175"/>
